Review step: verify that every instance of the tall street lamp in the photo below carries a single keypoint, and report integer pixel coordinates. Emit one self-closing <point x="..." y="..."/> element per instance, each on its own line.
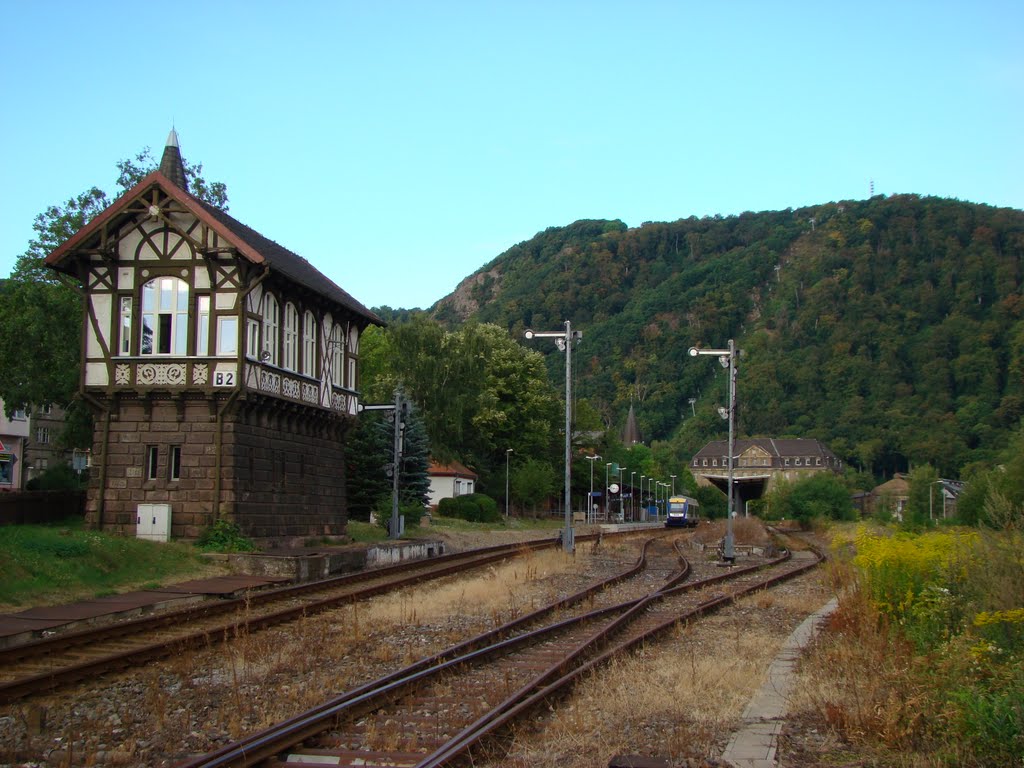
<point x="622" y="474"/>
<point x="727" y="357"/>
<point x="632" y="498"/>
<point x="607" y="466"/>
<point x="643" y="512"/>
<point x="590" y="506"/>
<point x="507" y="452"/>
<point x="564" y="340"/>
<point x="673" y="484"/>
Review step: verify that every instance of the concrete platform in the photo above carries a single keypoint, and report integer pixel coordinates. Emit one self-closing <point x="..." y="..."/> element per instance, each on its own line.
<point x="754" y="744"/>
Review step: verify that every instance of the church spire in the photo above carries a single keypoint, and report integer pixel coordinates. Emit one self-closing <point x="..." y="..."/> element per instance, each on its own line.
<point x="631" y="434"/>
<point x="171" y="164"/>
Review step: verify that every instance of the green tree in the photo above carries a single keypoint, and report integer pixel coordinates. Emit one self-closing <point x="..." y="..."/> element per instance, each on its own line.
<point x="919" y="511"/>
<point x="414" y="481"/>
<point x="478" y="391"/>
<point x="370" y="453"/>
<point x="369" y="449"/>
<point x="533" y="482"/>
<point x="821" y="495"/>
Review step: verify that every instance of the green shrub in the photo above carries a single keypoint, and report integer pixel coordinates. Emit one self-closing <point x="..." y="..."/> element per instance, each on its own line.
<point x="474" y="508"/>
<point x="224" y="536"/>
<point x="988" y="715"/>
<point x="413" y="512"/>
<point x="59" y="477"/>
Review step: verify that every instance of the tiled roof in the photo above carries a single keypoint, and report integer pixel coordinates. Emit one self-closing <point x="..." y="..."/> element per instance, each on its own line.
<point x="251" y="244"/>
<point x="290" y="264"/>
<point x="775" y="447"/>
<point x="451" y="469"/>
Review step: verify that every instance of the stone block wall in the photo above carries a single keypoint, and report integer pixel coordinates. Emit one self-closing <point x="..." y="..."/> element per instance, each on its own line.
<point x="288" y="477"/>
<point x="281" y="473"/>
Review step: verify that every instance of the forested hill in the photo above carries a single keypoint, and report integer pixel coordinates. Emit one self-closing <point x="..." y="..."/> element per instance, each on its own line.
<point x="890" y="328"/>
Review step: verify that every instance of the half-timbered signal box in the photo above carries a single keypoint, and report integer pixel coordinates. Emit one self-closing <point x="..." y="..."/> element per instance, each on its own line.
<point x="221" y="367"/>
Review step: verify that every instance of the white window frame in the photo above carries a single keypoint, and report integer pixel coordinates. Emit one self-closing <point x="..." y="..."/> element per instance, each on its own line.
<point x="271" y="323"/>
<point x="174" y="463"/>
<point x="165" y="315"/>
<point x="290" y="356"/>
<point x="337" y="347"/>
<point x="252" y="339"/>
<point x="125" y="342"/>
<point x="202" y="325"/>
<point x="309" y="344"/>
<point x="152" y="468"/>
<point x="227" y="335"/>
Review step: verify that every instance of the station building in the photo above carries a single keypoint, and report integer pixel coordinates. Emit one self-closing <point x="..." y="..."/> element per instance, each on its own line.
<point x="761" y="462"/>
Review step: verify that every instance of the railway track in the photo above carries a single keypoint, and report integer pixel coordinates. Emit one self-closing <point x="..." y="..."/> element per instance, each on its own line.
<point x="435" y="711"/>
<point x="51" y="663"/>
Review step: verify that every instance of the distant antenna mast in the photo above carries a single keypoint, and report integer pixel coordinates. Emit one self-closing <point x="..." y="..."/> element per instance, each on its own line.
<point x="872" y="188"/>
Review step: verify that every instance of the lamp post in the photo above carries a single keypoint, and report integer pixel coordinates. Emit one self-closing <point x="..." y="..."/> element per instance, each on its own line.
<point x="622" y="473"/>
<point x="727" y="357"/>
<point x="564" y="340"/>
<point x="607" y="467"/>
<point x="590" y="506"/>
<point x="632" y="498"/>
<point x="399" y="413"/>
<point x="642" y="510"/>
<point x="507" y="452"/>
<point x="673" y="484"/>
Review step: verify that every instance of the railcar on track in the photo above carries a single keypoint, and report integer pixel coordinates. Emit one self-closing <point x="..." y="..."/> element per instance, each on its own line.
<point x="683" y="512"/>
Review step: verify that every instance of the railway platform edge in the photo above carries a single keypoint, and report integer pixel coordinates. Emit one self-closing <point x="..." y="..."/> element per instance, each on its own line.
<point x="755" y="744"/>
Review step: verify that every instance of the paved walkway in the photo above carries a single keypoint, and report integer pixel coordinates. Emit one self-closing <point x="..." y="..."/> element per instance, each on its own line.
<point x="755" y="744"/>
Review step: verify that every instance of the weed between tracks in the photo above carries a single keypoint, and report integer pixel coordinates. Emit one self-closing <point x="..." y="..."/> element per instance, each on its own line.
<point x="199" y="699"/>
<point x="677" y="698"/>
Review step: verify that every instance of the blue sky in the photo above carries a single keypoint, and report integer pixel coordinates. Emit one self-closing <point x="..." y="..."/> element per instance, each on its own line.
<point x="400" y="146"/>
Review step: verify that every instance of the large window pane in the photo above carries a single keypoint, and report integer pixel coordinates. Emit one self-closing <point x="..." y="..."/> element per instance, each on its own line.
<point x="165" y="317"/>
<point x="203" y="326"/>
<point x="227" y="335"/>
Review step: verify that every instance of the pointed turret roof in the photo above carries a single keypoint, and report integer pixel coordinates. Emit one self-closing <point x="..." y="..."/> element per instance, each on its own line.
<point x="171" y="164"/>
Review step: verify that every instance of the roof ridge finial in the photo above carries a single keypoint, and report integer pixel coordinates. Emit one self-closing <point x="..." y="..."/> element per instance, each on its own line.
<point x="171" y="164"/>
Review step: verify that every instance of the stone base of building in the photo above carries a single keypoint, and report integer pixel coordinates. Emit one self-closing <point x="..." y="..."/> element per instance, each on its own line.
<point x="277" y="472"/>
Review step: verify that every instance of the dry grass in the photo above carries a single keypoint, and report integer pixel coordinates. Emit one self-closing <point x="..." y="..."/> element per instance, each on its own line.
<point x="857" y="678"/>
<point x="348" y="646"/>
<point x="745" y="530"/>
<point x="679" y="698"/>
